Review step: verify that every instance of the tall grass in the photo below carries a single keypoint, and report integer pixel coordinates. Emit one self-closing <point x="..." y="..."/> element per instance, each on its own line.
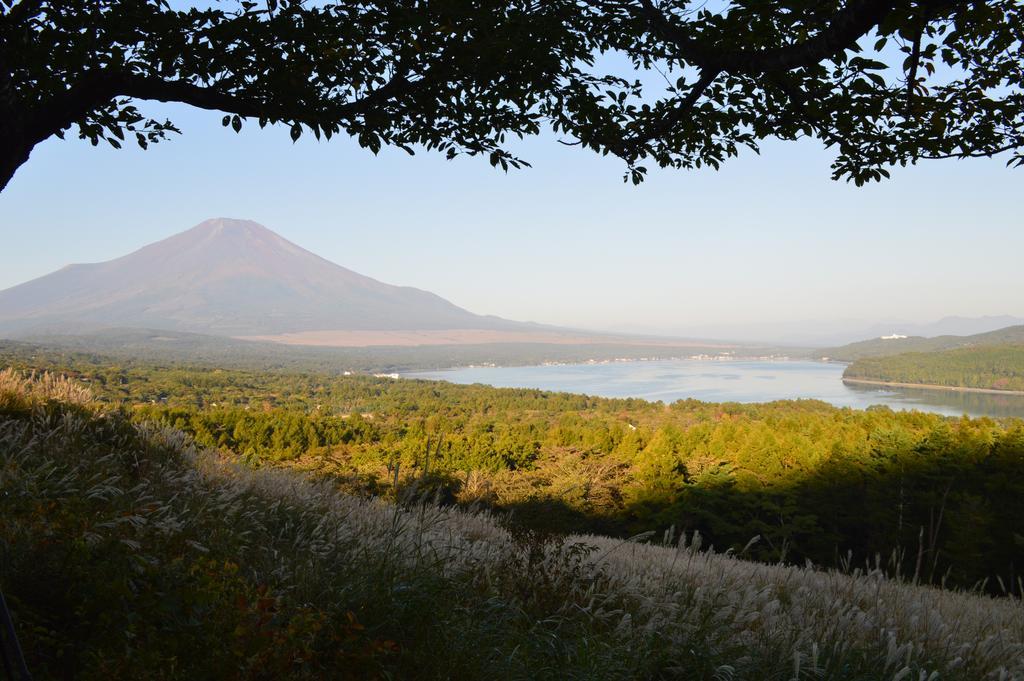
<point x="18" y="389"/>
<point x="127" y="552"/>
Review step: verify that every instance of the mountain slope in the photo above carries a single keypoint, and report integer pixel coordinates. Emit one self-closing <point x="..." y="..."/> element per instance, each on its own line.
<point x="947" y="326"/>
<point x="227" y="277"/>
<point x="878" y="347"/>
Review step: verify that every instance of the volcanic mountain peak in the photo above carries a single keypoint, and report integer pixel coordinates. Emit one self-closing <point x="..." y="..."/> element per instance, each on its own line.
<point x="231" y="277"/>
<point x="231" y="236"/>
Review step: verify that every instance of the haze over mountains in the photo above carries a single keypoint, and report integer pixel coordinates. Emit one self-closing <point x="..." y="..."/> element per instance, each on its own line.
<point x="228" y="277"/>
<point x="887" y="346"/>
<point x="818" y="333"/>
<point x="236" y="278"/>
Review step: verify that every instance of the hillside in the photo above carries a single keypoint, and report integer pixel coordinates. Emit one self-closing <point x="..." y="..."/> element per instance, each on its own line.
<point x="815" y="482"/>
<point x="947" y="326"/>
<point x="227" y="277"/>
<point x="171" y="550"/>
<point x="988" y="367"/>
<point x="878" y="347"/>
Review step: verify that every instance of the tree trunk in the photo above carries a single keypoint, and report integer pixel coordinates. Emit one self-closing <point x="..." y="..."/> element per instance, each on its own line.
<point x="10" y="161"/>
<point x="14" y="148"/>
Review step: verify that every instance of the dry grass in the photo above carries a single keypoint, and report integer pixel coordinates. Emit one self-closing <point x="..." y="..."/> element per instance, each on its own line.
<point x="823" y="621"/>
<point x="22" y="388"/>
<point x="462" y="596"/>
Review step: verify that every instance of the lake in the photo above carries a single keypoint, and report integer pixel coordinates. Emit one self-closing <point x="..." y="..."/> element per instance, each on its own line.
<point x="729" y="381"/>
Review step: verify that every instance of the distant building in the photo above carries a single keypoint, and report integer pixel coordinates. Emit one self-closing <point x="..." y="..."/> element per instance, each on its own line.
<point x="894" y="336"/>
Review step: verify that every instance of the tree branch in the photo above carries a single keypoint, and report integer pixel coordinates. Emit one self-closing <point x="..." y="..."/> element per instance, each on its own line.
<point x="915" y="61"/>
<point x="843" y="30"/>
<point x="679" y="112"/>
<point x="22" y="11"/>
<point x="988" y="153"/>
<point x="94" y="90"/>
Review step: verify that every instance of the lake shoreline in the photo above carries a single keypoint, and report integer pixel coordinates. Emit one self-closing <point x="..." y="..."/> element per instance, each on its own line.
<point x="931" y="386"/>
<point x="741" y="381"/>
<point x="623" y="360"/>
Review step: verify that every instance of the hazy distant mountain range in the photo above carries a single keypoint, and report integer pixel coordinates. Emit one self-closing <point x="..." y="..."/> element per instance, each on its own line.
<point x="227" y="277"/>
<point x="810" y="332"/>
<point x="947" y="326"/>
<point x="236" y="278"/>
<point x="884" y="347"/>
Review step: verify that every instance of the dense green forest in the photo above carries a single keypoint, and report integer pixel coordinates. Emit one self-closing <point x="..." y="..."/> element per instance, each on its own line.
<point x="942" y="497"/>
<point x="998" y="367"/>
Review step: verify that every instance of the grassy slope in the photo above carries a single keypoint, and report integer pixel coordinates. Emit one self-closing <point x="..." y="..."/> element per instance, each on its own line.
<point x="877" y="347"/>
<point x="998" y="367"/>
<point x="125" y="550"/>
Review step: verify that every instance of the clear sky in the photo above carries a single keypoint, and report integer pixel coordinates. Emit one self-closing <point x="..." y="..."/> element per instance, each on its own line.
<point x="769" y="239"/>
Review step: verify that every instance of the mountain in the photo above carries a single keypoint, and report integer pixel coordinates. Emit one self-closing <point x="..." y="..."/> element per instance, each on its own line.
<point x="829" y="333"/>
<point x="227" y="277"/>
<point x="884" y="347"/>
<point x="947" y="326"/>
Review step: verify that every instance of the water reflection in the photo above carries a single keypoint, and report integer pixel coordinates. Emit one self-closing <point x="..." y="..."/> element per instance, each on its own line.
<point x="946" y="401"/>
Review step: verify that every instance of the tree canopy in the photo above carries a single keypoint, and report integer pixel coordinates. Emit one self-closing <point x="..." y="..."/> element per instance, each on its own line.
<point x="450" y="75"/>
<point x="881" y="82"/>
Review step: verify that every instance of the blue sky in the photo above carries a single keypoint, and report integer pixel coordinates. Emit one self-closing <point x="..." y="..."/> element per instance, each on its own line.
<point x="770" y="239"/>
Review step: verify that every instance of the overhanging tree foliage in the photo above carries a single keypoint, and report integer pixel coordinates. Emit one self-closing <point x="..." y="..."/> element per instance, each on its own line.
<point x="883" y="82"/>
<point x="449" y="75"/>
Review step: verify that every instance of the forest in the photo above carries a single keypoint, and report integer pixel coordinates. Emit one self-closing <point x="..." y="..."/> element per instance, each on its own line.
<point x="127" y="347"/>
<point x="936" y="499"/>
<point x="999" y="367"/>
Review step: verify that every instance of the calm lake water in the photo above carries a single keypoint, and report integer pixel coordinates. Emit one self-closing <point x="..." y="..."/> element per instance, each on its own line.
<point x="729" y="381"/>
